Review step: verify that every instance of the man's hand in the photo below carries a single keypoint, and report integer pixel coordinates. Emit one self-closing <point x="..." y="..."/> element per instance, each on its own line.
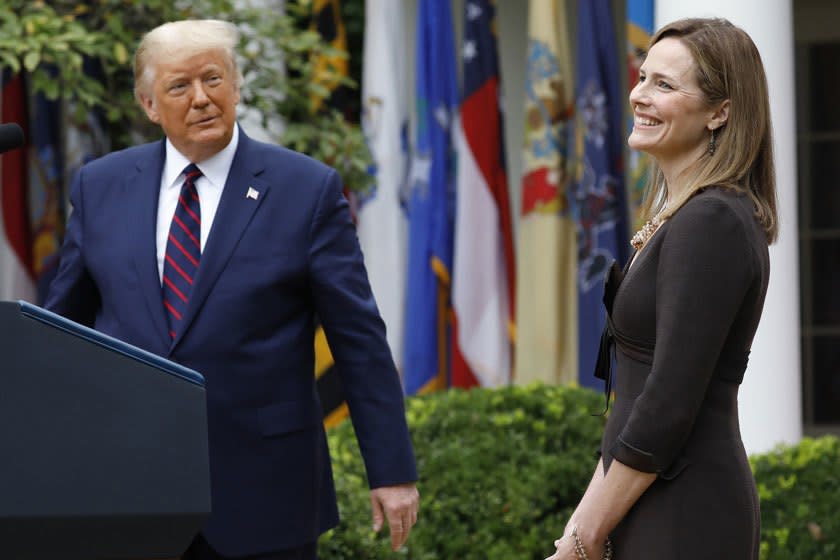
<point x="399" y="504"/>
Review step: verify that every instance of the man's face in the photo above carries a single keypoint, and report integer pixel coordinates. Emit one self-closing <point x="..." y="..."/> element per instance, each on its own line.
<point x="194" y="100"/>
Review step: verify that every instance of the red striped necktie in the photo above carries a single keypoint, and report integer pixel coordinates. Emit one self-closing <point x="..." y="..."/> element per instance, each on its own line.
<point x="183" y="251"/>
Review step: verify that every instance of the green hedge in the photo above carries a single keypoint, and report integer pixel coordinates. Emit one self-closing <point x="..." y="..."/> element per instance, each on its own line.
<point x="502" y="469"/>
<point x="799" y="489"/>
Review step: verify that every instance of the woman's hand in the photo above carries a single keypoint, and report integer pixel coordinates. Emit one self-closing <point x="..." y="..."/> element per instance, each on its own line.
<point x="565" y="548"/>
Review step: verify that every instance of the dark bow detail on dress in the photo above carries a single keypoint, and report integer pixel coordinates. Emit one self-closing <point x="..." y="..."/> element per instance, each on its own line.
<point x="603" y="364"/>
<point x="639" y="350"/>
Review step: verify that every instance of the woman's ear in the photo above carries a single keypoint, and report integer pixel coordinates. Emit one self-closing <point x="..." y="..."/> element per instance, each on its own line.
<point x="719" y="117"/>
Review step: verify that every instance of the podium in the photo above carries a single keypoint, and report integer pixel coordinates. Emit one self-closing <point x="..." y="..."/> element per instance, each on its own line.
<point x="103" y="446"/>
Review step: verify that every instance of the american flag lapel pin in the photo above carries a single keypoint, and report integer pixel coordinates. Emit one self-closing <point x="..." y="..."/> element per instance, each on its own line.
<point x="252" y="193"/>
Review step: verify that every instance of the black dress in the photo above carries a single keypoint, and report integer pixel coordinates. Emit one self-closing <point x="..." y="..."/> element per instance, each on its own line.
<point x="682" y="321"/>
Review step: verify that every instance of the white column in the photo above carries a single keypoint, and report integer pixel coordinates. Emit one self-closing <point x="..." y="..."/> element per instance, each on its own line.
<point x="770" y="398"/>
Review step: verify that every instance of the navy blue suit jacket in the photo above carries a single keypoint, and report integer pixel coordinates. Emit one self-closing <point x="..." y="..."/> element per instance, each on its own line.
<point x="268" y="266"/>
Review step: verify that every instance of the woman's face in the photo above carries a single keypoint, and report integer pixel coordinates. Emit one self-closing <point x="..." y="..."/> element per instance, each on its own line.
<point x="671" y="118"/>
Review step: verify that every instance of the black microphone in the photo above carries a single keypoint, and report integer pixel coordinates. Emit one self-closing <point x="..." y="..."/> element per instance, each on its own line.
<point x="11" y="137"/>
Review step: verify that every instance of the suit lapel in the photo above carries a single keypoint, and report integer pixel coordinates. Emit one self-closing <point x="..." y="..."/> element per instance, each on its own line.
<point x="236" y="208"/>
<point x="141" y="193"/>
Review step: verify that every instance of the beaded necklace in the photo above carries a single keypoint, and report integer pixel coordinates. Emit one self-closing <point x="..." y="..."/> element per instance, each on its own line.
<point x="646" y="231"/>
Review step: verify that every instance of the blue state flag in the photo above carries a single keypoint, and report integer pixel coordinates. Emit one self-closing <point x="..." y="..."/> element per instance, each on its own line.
<point x="430" y="203"/>
<point x="598" y="200"/>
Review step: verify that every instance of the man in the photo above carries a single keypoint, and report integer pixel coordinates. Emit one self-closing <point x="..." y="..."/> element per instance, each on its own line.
<point x="217" y="251"/>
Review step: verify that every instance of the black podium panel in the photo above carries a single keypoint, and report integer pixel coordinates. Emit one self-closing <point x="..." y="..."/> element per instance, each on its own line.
<point x="104" y="446"/>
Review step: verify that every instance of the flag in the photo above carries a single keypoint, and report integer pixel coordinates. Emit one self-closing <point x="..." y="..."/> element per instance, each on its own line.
<point x="328" y="382"/>
<point x="598" y="202"/>
<point x="483" y="268"/>
<point x="46" y="190"/>
<point x="326" y="19"/>
<point x="546" y="301"/>
<point x="639" y="31"/>
<point x="16" y="278"/>
<point x="382" y="225"/>
<point x="430" y="202"/>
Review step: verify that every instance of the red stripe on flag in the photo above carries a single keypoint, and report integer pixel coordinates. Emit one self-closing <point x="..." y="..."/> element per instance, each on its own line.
<point x="482" y="127"/>
<point x="462" y="375"/>
<point x="482" y="124"/>
<point x="13" y="195"/>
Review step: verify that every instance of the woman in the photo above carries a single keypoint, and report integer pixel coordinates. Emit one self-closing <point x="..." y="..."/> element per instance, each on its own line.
<point x="673" y="480"/>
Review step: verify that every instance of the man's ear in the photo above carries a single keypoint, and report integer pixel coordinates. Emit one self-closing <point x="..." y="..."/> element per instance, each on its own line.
<point x="719" y="117"/>
<point x="148" y="104"/>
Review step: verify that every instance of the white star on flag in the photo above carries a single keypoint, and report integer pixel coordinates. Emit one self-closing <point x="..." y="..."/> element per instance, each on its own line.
<point x="470" y="51"/>
<point x="473" y="11"/>
<point x="442" y="116"/>
<point x="418" y="175"/>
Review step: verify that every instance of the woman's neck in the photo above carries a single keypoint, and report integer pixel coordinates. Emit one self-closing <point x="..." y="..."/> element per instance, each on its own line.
<point x="674" y="171"/>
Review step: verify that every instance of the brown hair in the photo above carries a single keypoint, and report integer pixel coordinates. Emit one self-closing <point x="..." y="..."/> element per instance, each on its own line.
<point x="728" y="66"/>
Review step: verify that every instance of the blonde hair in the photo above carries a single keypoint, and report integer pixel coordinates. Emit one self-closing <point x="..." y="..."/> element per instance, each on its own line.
<point x="728" y="66"/>
<point x="182" y="39"/>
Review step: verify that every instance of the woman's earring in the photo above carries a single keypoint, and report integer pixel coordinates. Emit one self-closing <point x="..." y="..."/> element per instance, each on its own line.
<point x="712" y="146"/>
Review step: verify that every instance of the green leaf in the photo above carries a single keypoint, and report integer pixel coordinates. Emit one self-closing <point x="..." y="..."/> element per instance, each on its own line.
<point x="51" y="88"/>
<point x="31" y="60"/>
<point x="120" y="53"/>
<point x="7" y="60"/>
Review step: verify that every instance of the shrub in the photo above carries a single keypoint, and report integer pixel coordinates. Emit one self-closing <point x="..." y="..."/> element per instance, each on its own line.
<point x="799" y="489"/>
<point x="500" y="472"/>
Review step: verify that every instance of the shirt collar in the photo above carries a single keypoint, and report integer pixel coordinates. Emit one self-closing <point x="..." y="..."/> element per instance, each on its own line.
<point x="215" y="169"/>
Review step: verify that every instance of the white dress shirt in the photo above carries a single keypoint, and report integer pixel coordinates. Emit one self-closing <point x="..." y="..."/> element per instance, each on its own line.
<point x="209" y="186"/>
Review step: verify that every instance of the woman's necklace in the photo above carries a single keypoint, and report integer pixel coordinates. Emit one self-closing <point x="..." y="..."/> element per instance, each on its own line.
<point x="641" y="237"/>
